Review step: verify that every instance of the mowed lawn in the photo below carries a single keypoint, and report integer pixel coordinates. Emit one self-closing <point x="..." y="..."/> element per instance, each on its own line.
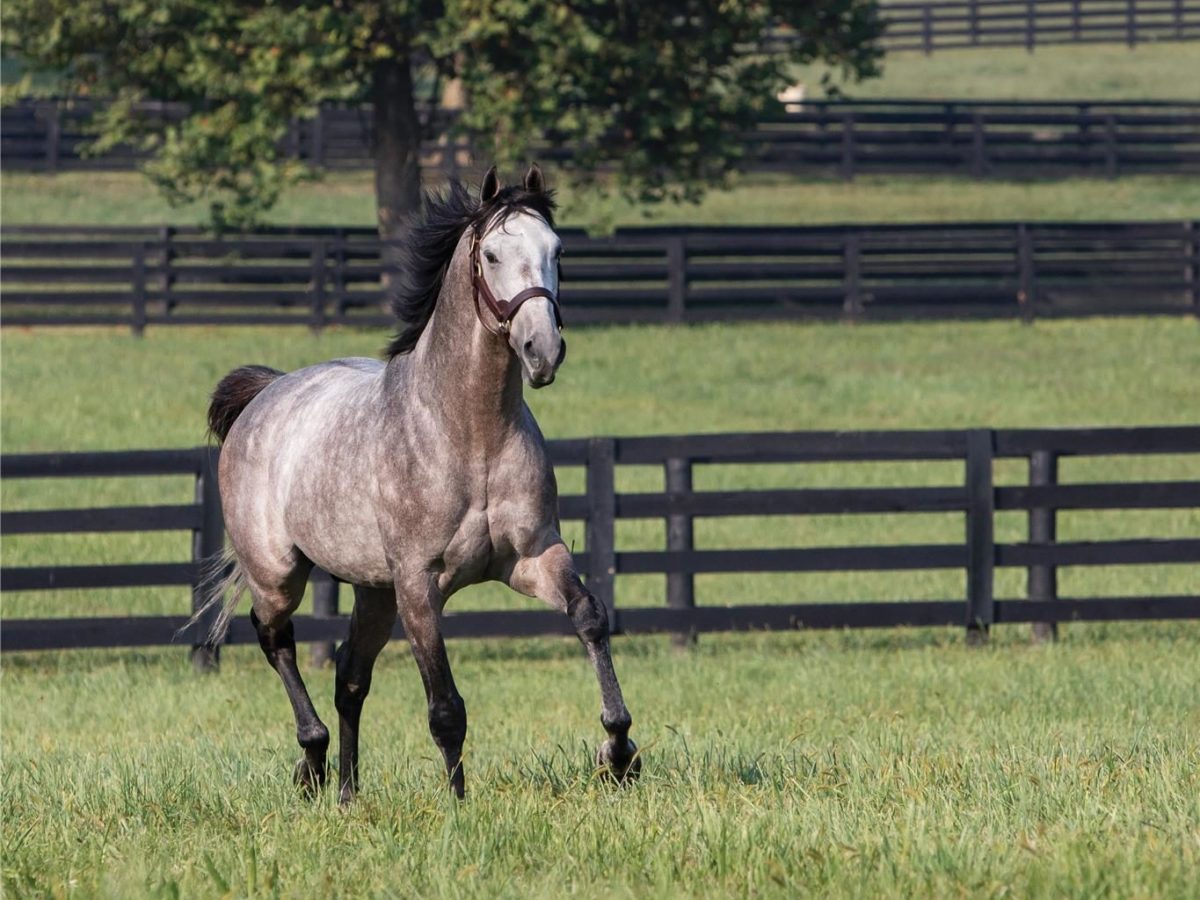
<point x="891" y="763"/>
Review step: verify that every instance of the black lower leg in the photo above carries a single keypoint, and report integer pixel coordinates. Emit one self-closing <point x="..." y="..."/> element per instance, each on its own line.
<point x="353" y="685"/>
<point x="448" y="725"/>
<point x="618" y="754"/>
<point x="279" y="647"/>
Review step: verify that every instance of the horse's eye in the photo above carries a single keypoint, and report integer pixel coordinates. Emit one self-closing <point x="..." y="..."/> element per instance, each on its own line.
<point x="490" y="257"/>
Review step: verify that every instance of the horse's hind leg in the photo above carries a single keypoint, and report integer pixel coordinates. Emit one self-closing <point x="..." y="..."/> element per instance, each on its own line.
<point x="271" y="615"/>
<point x="370" y="627"/>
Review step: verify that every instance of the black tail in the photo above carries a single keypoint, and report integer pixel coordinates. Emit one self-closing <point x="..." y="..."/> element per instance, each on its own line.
<point x="233" y="394"/>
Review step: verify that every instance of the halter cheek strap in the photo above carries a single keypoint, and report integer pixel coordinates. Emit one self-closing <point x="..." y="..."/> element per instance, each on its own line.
<point x="503" y="310"/>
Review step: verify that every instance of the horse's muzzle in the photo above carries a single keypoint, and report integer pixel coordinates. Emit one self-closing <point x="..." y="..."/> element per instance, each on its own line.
<point x="537" y="366"/>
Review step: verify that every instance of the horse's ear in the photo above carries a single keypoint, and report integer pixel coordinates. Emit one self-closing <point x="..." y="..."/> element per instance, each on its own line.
<point x="535" y="181"/>
<point x="490" y="187"/>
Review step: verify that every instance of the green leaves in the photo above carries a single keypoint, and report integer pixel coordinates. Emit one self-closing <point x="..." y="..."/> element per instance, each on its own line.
<point x="660" y="94"/>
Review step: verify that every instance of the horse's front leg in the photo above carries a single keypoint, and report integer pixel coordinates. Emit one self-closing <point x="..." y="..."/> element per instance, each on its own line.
<point x="420" y="603"/>
<point x="551" y="577"/>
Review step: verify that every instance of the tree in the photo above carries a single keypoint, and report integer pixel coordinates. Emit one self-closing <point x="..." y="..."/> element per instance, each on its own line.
<point x="658" y="93"/>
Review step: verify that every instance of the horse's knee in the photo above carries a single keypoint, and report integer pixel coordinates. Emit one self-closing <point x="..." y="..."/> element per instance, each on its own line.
<point x="589" y="617"/>
<point x="448" y="721"/>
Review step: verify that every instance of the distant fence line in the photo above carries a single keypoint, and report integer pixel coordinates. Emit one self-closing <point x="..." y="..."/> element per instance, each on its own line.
<point x="146" y="276"/>
<point x="956" y="24"/>
<point x="979" y="139"/>
<point x="679" y="505"/>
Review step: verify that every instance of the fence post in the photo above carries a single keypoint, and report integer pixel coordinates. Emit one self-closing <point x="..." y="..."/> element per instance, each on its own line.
<point x="846" y="169"/>
<point x="339" y="276"/>
<point x="1191" y="271"/>
<point x="681" y="587"/>
<point x="316" y="150"/>
<point x="978" y="154"/>
<point x="1131" y="23"/>
<point x="1030" y="25"/>
<point x="1178" y="17"/>
<point x="137" y="323"/>
<point x="974" y="22"/>
<point x="676" y="278"/>
<point x="1076" y="24"/>
<point x="1026" y="285"/>
<point x="53" y="135"/>
<point x="316" y="318"/>
<point x="207" y="542"/>
<point x="1110" y="145"/>
<point x="1042" y="581"/>
<point x="293" y="139"/>
<point x="601" y="524"/>
<point x="165" y="236"/>
<point x="981" y="547"/>
<point x="325" y="606"/>
<point x="852" y="300"/>
<point x="927" y="29"/>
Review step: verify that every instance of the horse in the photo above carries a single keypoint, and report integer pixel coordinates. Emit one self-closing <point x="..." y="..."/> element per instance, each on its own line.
<point x="413" y="477"/>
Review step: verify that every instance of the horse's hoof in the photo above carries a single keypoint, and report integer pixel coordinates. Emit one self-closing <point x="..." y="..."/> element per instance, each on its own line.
<point x="309" y="778"/>
<point x="619" y="763"/>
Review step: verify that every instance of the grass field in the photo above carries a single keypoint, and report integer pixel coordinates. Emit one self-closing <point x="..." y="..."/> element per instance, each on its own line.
<point x="881" y="763"/>
<point x="776" y="765"/>
<point x="346" y="199"/>
<point x="1083" y="72"/>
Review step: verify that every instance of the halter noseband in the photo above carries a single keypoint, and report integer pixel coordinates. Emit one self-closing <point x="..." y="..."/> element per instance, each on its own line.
<point x="503" y="310"/>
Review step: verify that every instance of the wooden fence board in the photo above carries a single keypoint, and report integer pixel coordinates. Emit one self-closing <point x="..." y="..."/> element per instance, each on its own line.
<point x="976" y="499"/>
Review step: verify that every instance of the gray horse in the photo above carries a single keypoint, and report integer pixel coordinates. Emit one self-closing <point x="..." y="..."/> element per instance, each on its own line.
<point x="414" y="478"/>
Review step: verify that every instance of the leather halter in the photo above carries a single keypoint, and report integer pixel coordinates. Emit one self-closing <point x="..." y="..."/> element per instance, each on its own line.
<point x="503" y="310"/>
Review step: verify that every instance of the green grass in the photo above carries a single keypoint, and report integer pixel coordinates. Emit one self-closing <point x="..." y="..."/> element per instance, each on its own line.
<point x="892" y="765"/>
<point x="152" y="393"/>
<point x="1083" y="72"/>
<point x="127" y="199"/>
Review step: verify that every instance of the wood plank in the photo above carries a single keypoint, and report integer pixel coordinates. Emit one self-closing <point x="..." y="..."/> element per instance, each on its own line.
<point x="107" y="519"/>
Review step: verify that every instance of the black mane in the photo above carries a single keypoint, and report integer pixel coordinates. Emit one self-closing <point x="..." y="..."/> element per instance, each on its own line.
<point x="433" y="235"/>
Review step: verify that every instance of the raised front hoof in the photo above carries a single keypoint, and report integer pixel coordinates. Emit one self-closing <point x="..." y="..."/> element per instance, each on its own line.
<point x="619" y="763"/>
<point x="310" y="778"/>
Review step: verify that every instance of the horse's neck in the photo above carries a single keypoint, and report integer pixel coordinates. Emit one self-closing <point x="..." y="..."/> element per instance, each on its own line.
<point x="462" y="373"/>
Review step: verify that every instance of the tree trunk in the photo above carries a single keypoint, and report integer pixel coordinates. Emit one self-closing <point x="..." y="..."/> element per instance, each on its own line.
<point x="397" y="154"/>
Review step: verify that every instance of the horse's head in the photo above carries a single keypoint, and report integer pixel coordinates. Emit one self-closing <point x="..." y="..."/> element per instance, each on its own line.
<point x="515" y="273"/>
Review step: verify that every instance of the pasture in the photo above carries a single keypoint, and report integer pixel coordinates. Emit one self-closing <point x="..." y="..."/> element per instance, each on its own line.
<point x="892" y="763"/>
<point x="877" y="763"/>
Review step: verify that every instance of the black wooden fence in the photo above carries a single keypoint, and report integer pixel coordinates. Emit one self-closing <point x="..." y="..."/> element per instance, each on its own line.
<point x="976" y="138"/>
<point x="142" y="276"/>
<point x="977" y="496"/>
<point x="950" y="24"/>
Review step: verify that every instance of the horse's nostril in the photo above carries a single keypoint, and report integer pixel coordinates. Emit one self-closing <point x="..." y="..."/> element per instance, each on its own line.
<point x="528" y="346"/>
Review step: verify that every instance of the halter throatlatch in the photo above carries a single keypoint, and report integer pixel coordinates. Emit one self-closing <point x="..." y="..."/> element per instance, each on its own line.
<point x="503" y="310"/>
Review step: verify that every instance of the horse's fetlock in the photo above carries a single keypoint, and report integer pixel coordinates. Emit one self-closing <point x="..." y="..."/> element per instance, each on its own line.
<point x="618" y="725"/>
<point x="313" y="737"/>
<point x="448" y="721"/>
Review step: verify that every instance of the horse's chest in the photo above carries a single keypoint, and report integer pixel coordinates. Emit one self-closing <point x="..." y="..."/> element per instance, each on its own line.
<point x="469" y="549"/>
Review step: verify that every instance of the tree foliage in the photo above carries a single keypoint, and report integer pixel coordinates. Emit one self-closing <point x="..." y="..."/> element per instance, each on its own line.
<point x="658" y="92"/>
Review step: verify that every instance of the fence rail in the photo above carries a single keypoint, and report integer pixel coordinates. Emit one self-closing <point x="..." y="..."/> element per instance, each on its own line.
<point x="846" y="138"/>
<point x="957" y="24"/>
<point x="678" y="505"/>
<point x="139" y="277"/>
